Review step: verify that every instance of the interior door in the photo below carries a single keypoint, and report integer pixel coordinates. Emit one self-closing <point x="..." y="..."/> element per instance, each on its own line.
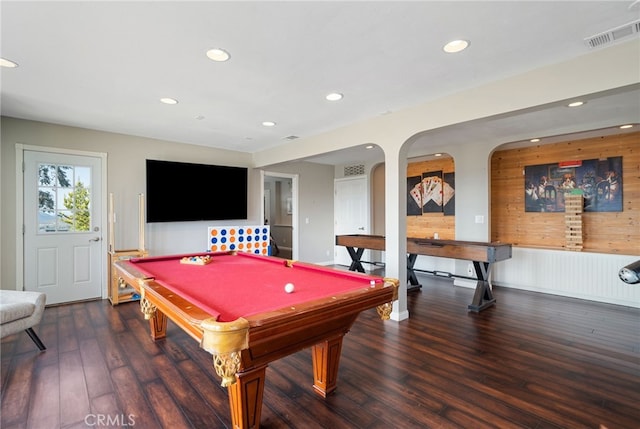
<point x="62" y="225"/>
<point x="351" y="213"/>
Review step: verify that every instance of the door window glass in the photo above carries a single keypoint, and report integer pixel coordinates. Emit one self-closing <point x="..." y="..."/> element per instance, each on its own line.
<point x="64" y="198"/>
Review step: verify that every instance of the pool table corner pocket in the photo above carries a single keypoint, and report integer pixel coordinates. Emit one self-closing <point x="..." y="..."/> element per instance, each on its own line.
<point x="225" y="341"/>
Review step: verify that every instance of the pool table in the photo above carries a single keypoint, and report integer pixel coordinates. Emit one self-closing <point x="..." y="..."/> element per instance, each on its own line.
<point x="235" y="305"/>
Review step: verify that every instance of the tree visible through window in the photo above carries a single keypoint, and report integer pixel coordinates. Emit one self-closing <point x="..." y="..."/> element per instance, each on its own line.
<point x="64" y="198"/>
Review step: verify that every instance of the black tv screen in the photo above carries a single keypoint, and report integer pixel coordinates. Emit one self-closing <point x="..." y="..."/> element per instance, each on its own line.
<point x="180" y="192"/>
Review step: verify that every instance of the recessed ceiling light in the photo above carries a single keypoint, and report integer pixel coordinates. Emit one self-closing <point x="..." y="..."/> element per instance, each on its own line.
<point x="217" y="54"/>
<point x="334" y="96"/>
<point x="7" y="63"/>
<point x="534" y="140"/>
<point x="167" y="100"/>
<point x="575" y="104"/>
<point x="369" y="146"/>
<point x="624" y="127"/>
<point x="437" y="154"/>
<point x="455" y="46"/>
<point x="268" y="123"/>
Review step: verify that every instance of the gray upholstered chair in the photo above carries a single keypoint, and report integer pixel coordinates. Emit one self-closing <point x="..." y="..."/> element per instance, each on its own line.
<point x="21" y="311"/>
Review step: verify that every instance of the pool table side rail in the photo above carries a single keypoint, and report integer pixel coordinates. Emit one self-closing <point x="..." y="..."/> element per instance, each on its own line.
<point x="182" y="312"/>
<point x="274" y="335"/>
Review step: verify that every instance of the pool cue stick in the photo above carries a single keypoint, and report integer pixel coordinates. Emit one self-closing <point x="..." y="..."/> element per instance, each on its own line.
<point x="112" y="220"/>
<point x="141" y="222"/>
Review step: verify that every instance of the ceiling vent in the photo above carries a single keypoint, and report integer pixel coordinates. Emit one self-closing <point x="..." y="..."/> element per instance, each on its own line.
<point x="613" y="35"/>
<point x="354" y="170"/>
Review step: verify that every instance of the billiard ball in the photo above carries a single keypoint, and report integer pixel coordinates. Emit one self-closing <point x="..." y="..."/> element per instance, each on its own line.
<point x="288" y="288"/>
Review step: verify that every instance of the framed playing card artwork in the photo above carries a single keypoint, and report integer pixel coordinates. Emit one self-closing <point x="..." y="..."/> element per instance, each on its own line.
<point x="432" y="192"/>
<point x="449" y="194"/>
<point x="414" y="197"/>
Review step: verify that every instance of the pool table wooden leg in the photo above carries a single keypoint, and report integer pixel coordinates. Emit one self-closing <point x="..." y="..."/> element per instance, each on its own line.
<point x="326" y="360"/>
<point x="157" y="319"/>
<point x="158" y="325"/>
<point x="245" y="398"/>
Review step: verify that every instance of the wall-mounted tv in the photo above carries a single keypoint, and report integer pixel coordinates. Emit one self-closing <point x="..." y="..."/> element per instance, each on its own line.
<point x="181" y="192"/>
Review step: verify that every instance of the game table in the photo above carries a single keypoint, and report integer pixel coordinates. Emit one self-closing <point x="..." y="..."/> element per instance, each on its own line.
<point x="236" y="306"/>
<point x="481" y="254"/>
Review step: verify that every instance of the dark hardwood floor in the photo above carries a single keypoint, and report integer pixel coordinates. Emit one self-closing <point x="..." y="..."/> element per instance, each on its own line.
<point x="532" y="361"/>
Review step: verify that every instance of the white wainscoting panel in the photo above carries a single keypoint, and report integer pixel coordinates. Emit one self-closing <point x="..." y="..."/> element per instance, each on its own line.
<point x="585" y="275"/>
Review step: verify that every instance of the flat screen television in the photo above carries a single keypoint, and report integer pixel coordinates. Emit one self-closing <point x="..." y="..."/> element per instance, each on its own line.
<point x="181" y="192"/>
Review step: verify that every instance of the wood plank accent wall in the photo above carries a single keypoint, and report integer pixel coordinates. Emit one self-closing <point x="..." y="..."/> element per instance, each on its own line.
<point x="603" y="232"/>
<point x="427" y="224"/>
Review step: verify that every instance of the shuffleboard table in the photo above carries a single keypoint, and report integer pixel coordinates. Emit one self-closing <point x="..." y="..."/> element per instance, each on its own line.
<point x="481" y="254"/>
<point x="237" y="307"/>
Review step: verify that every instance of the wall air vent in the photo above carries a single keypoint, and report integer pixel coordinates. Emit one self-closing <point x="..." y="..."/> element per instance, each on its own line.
<point x="354" y="170"/>
<point x="613" y="35"/>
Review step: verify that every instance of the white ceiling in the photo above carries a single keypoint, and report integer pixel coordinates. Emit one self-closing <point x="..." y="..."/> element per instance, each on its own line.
<point x="105" y="65"/>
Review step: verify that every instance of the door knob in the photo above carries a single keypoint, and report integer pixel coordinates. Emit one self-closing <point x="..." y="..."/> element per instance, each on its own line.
<point x="95" y="239"/>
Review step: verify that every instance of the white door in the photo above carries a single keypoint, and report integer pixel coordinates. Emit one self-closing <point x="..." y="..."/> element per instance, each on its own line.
<point x="62" y="225"/>
<point x="351" y="213"/>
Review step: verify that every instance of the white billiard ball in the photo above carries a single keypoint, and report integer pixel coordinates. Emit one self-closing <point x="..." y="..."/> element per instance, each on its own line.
<point x="288" y="288"/>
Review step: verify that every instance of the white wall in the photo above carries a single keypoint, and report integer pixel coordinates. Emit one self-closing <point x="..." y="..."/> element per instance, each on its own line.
<point x="125" y="178"/>
<point x="315" y="205"/>
<point x="585" y="275"/>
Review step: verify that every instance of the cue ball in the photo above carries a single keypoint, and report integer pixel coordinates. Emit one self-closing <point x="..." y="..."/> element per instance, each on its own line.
<point x="288" y="288"/>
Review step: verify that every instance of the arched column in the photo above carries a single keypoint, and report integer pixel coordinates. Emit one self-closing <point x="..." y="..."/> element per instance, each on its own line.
<point x="396" y="226"/>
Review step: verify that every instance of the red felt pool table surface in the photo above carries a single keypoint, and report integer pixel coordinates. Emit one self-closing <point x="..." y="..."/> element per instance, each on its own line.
<point x="240" y="284"/>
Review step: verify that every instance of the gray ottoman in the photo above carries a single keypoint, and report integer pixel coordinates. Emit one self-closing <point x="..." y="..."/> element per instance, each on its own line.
<point x="21" y="311"/>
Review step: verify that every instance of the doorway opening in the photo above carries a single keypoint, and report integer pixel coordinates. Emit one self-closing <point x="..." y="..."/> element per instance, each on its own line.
<point x="280" y="212"/>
